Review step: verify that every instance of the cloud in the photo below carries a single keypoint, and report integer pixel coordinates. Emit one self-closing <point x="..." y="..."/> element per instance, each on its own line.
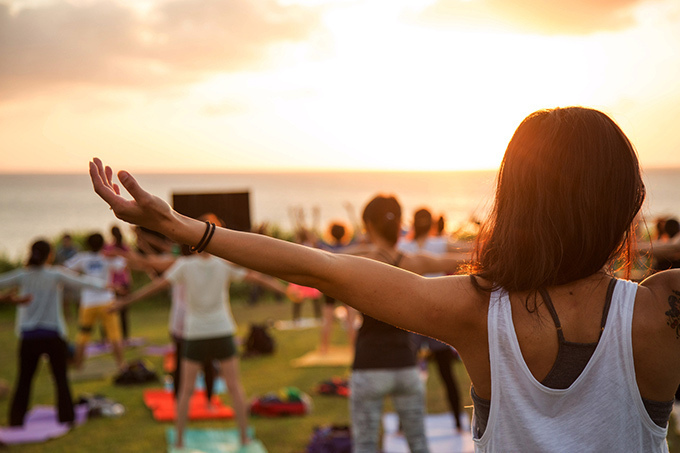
<point x="537" y="16"/>
<point x="105" y="43"/>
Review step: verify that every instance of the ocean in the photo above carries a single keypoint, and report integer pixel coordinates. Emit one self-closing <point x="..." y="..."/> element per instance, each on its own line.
<point x="43" y="205"/>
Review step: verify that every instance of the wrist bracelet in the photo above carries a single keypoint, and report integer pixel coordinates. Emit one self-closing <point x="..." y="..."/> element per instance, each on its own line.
<point x="205" y="235"/>
<point x="202" y="247"/>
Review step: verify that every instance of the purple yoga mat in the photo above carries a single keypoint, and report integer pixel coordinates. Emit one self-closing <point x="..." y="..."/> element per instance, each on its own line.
<point x="95" y="349"/>
<point x="41" y="424"/>
<point x="157" y="350"/>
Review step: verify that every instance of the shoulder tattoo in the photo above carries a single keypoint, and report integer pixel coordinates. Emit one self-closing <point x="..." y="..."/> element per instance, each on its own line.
<point x="673" y="315"/>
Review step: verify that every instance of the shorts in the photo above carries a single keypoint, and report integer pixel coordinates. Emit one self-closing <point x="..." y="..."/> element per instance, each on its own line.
<point x="207" y="349"/>
<point x="87" y="317"/>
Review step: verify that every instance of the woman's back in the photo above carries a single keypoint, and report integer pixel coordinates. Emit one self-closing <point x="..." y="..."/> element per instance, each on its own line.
<point x="579" y="306"/>
<point x="600" y="410"/>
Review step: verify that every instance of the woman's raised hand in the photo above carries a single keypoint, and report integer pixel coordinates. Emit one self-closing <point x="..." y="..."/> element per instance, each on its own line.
<point x="145" y="210"/>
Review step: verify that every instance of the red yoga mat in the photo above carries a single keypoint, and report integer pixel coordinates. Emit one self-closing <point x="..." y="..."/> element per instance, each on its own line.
<point x="164" y="407"/>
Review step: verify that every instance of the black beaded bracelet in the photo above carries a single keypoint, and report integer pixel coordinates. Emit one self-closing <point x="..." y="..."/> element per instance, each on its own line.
<point x="200" y="247"/>
<point x="205" y="235"/>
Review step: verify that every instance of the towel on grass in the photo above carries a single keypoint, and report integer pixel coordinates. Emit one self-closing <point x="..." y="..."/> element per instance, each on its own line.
<point x="335" y="356"/>
<point x="213" y="441"/>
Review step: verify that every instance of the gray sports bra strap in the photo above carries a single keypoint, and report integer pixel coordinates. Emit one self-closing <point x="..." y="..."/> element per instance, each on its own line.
<point x="549" y="305"/>
<point x="607" y="303"/>
<point x="605" y="311"/>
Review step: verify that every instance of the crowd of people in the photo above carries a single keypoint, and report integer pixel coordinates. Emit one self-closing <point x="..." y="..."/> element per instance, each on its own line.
<point x="563" y="354"/>
<point x="201" y="325"/>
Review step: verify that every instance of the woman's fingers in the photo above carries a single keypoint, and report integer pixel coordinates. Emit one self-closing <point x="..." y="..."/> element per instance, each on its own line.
<point x="145" y="209"/>
<point x="108" y="171"/>
<point x="98" y="183"/>
<point x="142" y="197"/>
<point x="102" y="181"/>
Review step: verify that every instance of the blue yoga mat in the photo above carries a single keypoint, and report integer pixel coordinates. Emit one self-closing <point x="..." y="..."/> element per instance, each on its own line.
<point x="440" y="430"/>
<point x="213" y="441"/>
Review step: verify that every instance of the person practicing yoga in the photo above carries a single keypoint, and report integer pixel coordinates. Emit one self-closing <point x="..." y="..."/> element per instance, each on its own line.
<point x="443" y="355"/>
<point x="385" y="358"/>
<point x="562" y="356"/>
<point x="41" y="327"/>
<point x="95" y="302"/>
<point x="208" y="330"/>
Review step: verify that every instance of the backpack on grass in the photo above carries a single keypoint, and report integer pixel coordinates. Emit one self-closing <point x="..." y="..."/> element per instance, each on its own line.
<point x="259" y="341"/>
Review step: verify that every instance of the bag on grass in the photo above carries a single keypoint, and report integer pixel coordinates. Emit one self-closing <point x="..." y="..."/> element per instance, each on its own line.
<point x="288" y="401"/>
<point x="334" y="386"/>
<point x="138" y="372"/>
<point x="331" y="439"/>
<point x="259" y="341"/>
<point x="101" y="406"/>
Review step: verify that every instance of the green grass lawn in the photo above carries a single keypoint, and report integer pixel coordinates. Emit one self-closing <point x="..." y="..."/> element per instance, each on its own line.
<point x="136" y="431"/>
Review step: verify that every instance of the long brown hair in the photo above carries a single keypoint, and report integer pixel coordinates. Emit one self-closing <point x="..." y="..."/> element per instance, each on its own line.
<point x="567" y="193"/>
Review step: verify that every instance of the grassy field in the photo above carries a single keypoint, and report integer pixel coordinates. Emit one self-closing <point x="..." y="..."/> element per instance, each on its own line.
<point x="136" y="431"/>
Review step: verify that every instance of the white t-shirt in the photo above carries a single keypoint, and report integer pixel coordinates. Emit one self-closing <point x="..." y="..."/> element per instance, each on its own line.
<point x="98" y="266"/>
<point x="206" y="285"/>
<point x="178" y="310"/>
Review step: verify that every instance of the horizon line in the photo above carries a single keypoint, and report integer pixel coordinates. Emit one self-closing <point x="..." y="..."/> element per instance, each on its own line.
<point x="291" y="170"/>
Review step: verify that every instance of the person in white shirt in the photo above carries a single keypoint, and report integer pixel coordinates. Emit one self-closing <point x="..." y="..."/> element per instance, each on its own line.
<point x="208" y="327"/>
<point x="94" y="303"/>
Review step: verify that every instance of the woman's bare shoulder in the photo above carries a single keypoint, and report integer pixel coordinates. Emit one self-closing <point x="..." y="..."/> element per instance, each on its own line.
<point x="460" y="309"/>
<point x="657" y="312"/>
<point x="656" y="335"/>
<point x="662" y="285"/>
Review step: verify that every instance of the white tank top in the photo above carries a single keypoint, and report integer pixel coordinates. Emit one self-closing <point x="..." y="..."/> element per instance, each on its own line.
<point x="602" y="411"/>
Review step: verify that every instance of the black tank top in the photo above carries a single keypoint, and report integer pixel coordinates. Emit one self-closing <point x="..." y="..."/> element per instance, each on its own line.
<point x="380" y="345"/>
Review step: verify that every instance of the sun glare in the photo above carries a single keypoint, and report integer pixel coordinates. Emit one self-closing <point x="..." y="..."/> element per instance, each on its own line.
<point x="395" y="96"/>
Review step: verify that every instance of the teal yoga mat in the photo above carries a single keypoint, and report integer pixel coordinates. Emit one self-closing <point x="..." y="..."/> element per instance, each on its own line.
<point x="213" y="441"/>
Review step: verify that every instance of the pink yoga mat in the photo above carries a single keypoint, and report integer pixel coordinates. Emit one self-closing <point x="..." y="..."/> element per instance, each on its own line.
<point x="41" y="424"/>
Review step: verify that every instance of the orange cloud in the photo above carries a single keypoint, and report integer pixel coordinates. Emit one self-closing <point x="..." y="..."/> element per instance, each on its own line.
<point x="536" y="16"/>
<point x="104" y="43"/>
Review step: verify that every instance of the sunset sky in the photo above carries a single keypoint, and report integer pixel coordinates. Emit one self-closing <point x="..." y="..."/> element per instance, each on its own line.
<point x="220" y="85"/>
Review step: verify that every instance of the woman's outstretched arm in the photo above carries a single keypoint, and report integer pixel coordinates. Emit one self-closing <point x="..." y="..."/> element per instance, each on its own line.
<point x="393" y="295"/>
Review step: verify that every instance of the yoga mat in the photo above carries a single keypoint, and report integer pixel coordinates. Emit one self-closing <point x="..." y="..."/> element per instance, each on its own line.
<point x="159" y="350"/>
<point x="93" y="370"/>
<point x="302" y="323"/>
<point x="335" y="356"/>
<point x="441" y="435"/>
<point x="40" y="425"/>
<point x="219" y="384"/>
<point x="95" y="349"/>
<point x="213" y="441"/>
<point x="164" y="407"/>
<point x="169" y="361"/>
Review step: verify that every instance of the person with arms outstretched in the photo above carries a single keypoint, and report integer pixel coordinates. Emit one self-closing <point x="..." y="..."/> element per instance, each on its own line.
<point x="41" y="327"/>
<point x="540" y="281"/>
<point x="203" y="281"/>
